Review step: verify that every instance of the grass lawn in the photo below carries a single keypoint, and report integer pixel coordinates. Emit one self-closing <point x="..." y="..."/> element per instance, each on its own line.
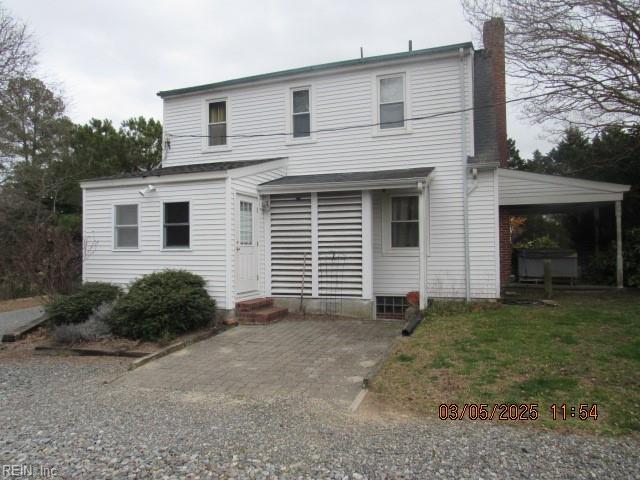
<point x="585" y="351"/>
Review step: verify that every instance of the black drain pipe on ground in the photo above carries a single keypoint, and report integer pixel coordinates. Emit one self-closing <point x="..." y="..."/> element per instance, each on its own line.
<point x="412" y="324"/>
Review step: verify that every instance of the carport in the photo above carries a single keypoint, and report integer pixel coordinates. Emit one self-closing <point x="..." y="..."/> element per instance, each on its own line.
<point x="522" y="193"/>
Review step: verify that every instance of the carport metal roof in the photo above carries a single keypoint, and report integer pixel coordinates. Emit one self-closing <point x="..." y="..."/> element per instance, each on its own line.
<point x="526" y="192"/>
<point x="536" y="192"/>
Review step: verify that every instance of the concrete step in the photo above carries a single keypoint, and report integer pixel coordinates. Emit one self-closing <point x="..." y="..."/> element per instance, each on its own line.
<point x="253" y="304"/>
<point x="263" y="315"/>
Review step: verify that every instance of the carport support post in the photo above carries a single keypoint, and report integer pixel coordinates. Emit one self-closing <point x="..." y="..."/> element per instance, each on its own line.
<point x="619" y="269"/>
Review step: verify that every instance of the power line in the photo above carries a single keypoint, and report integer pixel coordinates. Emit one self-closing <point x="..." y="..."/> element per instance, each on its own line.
<point x="369" y="125"/>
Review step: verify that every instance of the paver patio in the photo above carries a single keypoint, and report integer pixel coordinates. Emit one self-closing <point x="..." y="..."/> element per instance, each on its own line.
<point x="319" y="359"/>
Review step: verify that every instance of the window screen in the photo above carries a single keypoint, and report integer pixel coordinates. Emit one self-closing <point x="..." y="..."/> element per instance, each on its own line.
<point x="301" y="114"/>
<point x="404" y="222"/>
<point x="217" y="123"/>
<point x="126" y="226"/>
<point x="176" y="224"/>
<point x="392" y="102"/>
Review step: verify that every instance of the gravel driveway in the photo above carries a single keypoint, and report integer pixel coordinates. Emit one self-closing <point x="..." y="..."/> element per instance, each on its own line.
<point x="58" y="413"/>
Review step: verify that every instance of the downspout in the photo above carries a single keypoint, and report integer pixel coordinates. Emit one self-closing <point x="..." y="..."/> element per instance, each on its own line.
<point x="465" y="174"/>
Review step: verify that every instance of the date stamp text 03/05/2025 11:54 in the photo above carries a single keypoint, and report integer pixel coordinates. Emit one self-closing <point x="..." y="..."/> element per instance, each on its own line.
<point x="515" y="411"/>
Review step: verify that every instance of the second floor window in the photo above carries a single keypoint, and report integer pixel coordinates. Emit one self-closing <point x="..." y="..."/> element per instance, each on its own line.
<point x="301" y="113"/>
<point x="391" y="99"/>
<point x="218" y="123"/>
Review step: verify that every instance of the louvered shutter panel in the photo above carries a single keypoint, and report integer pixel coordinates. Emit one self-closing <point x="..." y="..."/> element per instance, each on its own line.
<point x="340" y="244"/>
<point x="290" y="241"/>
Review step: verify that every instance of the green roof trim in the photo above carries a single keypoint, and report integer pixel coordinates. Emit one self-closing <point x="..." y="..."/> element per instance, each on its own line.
<point x="315" y="68"/>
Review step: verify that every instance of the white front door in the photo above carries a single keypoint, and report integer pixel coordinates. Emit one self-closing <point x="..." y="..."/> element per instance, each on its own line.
<point x="246" y="244"/>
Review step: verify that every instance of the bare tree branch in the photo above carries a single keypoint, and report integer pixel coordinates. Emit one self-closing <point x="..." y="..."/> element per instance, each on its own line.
<point x="17" y="48"/>
<point x="591" y="47"/>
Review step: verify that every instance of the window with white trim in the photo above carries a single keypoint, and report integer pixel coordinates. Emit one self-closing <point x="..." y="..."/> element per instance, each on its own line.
<point x="217" y="123"/>
<point x="126" y="226"/>
<point x="176" y="225"/>
<point x="391" y="101"/>
<point x="246" y="223"/>
<point x="301" y="112"/>
<point x="405" y="230"/>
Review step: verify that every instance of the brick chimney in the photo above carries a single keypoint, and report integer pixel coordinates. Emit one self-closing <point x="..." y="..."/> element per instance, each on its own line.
<point x="493" y="39"/>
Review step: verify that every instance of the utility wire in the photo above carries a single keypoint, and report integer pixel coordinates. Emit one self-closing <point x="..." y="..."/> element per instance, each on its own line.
<point x="369" y="125"/>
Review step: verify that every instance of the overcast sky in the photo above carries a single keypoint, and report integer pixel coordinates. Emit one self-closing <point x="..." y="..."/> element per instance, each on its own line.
<point x="110" y="58"/>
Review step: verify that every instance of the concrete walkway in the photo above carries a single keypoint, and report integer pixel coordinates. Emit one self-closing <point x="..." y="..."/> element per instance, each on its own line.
<point x="9" y="321"/>
<point x="319" y="359"/>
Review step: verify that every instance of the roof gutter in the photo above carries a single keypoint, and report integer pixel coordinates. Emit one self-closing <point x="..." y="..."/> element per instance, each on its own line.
<point x="412" y="182"/>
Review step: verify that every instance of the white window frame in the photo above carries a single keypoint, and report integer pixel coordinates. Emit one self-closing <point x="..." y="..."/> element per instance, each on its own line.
<point x="206" y="148"/>
<point x="163" y="239"/>
<point x="115" y="227"/>
<point x="291" y="140"/>
<point x="387" y="249"/>
<point x="254" y="239"/>
<point x="383" y="132"/>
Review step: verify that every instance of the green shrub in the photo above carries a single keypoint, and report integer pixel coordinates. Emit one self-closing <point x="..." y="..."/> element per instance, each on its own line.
<point x="162" y="305"/>
<point x="602" y="268"/>
<point x="77" y="307"/>
<point x="544" y="241"/>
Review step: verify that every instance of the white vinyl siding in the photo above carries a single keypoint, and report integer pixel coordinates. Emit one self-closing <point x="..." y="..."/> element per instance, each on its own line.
<point x="206" y="256"/>
<point x="344" y="99"/>
<point x="341" y="100"/>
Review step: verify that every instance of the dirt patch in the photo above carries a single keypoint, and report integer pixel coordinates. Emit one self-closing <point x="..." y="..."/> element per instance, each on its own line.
<point x="25" y="348"/>
<point x="19" y="303"/>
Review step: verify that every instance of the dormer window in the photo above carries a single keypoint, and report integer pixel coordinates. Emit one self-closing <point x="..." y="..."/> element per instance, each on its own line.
<point x="217" y="123"/>
<point x="391" y="99"/>
<point x="301" y="112"/>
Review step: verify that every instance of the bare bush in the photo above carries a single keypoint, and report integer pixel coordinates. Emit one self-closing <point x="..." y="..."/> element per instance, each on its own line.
<point x="95" y="328"/>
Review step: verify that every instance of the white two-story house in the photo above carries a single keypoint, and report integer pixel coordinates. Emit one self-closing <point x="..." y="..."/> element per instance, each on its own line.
<point x="341" y="186"/>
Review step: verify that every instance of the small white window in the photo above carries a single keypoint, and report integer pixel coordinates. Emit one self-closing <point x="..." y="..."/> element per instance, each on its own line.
<point x="176" y="225"/>
<point x="405" y="230"/>
<point x="301" y="113"/>
<point x="126" y="226"/>
<point x="246" y="223"/>
<point x="217" y="123"/>
<point x="391" y="101"/>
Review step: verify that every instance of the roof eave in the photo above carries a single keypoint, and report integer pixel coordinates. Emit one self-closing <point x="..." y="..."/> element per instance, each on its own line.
<point x="396" y="183"/>
<point x="313" y="69"/>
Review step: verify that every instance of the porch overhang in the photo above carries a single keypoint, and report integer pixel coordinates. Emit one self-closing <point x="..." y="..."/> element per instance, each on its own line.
<point x="522" y="193"/>
<point x="536" y="192"/>
<point x="409" y="178"/>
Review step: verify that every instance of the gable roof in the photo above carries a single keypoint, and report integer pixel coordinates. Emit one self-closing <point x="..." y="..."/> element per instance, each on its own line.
<point x="316" y="68"/>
